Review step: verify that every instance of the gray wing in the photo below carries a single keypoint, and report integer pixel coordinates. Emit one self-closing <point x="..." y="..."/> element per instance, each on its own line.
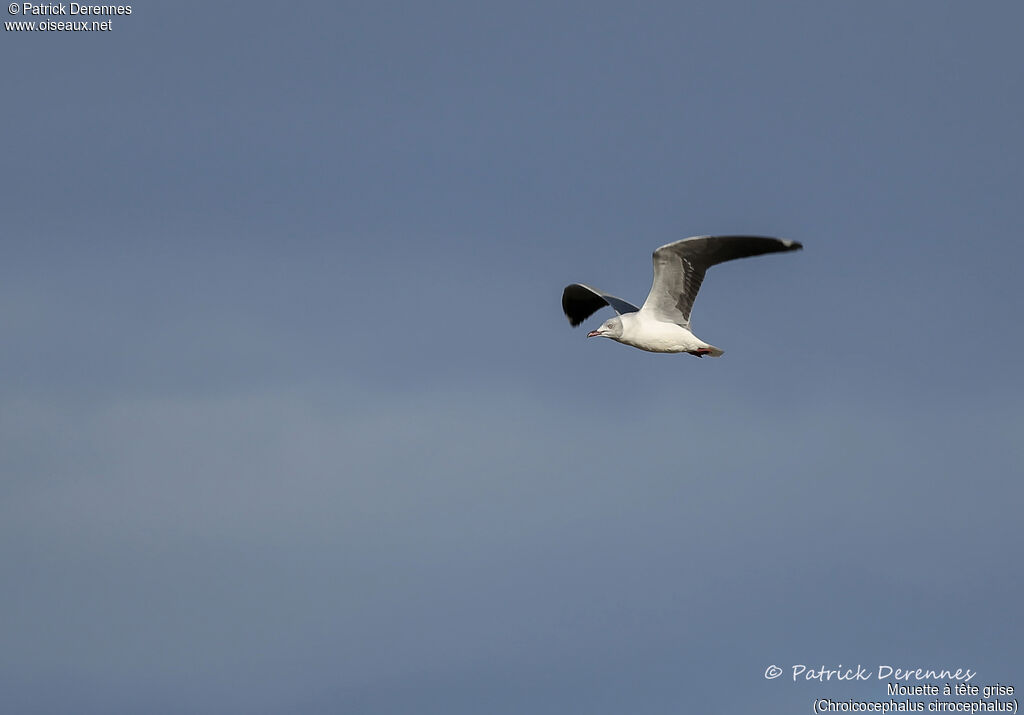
<point x="679" y="269"/>
<point x="579" y="302"/>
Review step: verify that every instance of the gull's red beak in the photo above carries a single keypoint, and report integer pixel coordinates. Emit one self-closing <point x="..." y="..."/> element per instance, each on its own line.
<point x="593" y="333"/>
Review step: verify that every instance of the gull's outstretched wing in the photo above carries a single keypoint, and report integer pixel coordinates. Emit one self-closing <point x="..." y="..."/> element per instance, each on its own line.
<point x="679" y="270"/>
<point x="580" y="302"/>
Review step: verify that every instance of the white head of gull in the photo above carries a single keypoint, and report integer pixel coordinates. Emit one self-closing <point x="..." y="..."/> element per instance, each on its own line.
<point x="662" y="324"/>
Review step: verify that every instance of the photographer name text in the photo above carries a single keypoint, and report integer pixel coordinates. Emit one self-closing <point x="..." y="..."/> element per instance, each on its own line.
<point x="882" y="672"/>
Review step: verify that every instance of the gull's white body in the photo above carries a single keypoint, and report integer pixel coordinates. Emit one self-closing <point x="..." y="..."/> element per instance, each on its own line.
<point x="656" y="336"/>
<point x="662" y="324"/>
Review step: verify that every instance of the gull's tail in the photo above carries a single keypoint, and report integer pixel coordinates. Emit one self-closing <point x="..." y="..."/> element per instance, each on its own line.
<point x="706" y="350"/>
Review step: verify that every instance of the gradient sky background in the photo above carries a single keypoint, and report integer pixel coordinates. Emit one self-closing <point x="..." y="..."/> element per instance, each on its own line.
<point x="291" y="421"/>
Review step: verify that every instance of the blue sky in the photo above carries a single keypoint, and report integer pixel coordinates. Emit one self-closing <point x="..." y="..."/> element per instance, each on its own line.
<point x="290" y="419"/>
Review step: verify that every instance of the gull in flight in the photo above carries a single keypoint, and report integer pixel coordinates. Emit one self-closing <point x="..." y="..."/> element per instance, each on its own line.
<point x="662" y="324"/>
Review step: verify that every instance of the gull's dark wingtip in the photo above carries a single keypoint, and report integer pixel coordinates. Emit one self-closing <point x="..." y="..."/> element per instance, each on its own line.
<point x="573" y="316"/>
<point x="579" y="302"/>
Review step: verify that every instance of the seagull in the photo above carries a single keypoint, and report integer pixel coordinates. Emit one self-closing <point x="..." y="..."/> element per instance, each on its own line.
<point x="662" y="324"/>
